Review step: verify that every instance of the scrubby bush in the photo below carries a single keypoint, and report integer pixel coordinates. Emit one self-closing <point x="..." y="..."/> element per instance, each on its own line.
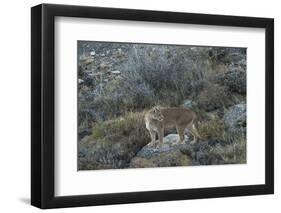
<point x="227" y="55"/>
<point x="218" y="146"/>
<point x="113" y="143"/>
<point x="167" y="71"/>
<point x="235" y="80"/>
<point x="213" y="96"/>
<point x="234" y="152"/>
<point x="150" y="76"/>
<point x="235" y="118"/>
<point x="132" y="122"/>
<point x="211" y="129"/>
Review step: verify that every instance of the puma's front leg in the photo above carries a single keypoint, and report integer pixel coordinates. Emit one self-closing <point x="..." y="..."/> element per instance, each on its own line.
<point x="195" y="139"/>
<point x="161" y="135"/>
<point x="153" y="136"/>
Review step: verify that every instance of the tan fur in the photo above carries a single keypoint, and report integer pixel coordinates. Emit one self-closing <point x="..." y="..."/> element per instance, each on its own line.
<point x="158" y="118"/>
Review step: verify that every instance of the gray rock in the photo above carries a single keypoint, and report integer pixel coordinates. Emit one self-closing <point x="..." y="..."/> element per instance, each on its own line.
<point x="171" y="142"/>
<point x="166" y="154"/>
<point x="80" y="81"/>
<point x="174" y="153"/>
<point x="116" y="72"/>
<point x="189" y="104"/>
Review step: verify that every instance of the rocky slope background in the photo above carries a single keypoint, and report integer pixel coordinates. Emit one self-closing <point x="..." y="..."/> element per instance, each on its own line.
<point x="118" y="82"/>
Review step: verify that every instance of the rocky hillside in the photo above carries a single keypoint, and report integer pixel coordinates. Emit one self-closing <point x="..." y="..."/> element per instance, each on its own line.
<point x="112" y="149"/>
<point x="119" y="82"/>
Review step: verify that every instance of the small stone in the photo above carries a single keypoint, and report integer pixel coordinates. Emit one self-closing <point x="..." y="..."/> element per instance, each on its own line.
<point x="189" y="104"/>
<point x="116" y="72"/>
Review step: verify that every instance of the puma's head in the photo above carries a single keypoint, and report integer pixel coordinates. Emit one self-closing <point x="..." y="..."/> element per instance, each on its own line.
<point x="156" y="113"/>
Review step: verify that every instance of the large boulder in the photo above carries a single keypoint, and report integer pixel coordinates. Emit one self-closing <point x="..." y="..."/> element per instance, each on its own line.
<point x="189" y="104"/>
<point x="235" y="118"/>
<point x="159" y="155"/>
<point x="174" y="153"/>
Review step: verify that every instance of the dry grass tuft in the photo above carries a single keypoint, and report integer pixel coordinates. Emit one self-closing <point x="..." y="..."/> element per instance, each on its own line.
<point x="211" y="129"/>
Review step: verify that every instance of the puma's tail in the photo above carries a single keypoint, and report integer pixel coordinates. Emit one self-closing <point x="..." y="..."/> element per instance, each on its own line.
<point x="195" y="128"/>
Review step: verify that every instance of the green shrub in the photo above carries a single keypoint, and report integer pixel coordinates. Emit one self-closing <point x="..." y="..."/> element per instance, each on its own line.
<point x="132" y="122"/>
<point x="113" y="143"/>
<point x="221" y="144"/>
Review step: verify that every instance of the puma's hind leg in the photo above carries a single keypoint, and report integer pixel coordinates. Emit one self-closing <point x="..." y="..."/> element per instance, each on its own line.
<point x="196" y="132"/>
<point x="180" y="131"/>
<point x="192" y="129"/>
<point x="161" y="135"/>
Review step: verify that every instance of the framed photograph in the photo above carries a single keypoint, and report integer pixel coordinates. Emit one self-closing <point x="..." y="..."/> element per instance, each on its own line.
<point x="139" y="106"/>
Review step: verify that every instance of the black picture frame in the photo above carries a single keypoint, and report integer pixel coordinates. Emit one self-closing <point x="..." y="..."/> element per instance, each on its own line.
<point x="43" y="102"/>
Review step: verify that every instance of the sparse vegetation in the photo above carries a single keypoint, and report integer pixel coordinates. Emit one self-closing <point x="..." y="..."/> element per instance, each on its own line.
<point x="213" y="128"/>
<point x="113" y="143"/>
<point x="117" y="82"/>
<point x="213" y="97"/>
<point x="130" y="125"/>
